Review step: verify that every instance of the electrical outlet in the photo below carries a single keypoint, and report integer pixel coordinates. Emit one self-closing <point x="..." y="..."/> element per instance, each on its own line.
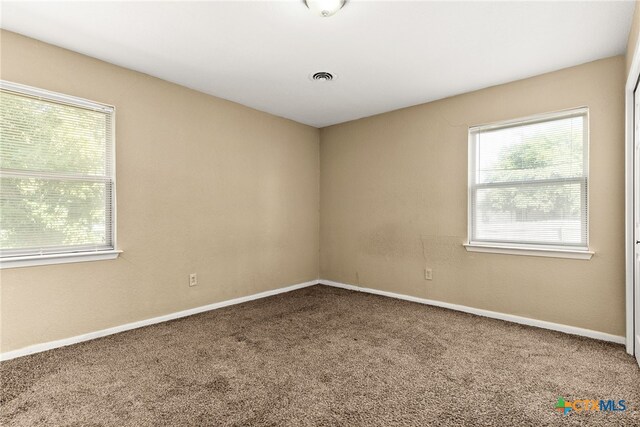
<point x="193" y="279"/>
<point x="428" y="274"/>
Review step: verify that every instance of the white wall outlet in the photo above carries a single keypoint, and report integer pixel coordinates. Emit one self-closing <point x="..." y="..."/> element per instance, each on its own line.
<point x="193" y="279"/>
<point x="428" y="274"/>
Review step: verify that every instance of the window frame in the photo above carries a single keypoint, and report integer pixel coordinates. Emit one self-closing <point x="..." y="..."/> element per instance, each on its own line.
<point x="15" y="261"/>
<point x="529" y="249"/>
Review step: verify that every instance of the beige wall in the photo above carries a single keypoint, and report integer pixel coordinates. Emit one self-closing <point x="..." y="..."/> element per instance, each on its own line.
<point x="394" y="200"/>
<point x="204" y="185"/>
<point x="633" y="36"/>
<point x="209" y="186"/>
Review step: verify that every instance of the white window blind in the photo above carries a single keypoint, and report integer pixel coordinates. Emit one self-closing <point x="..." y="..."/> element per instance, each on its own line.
<point x="56" y="173"/>
<point x="528" y="182"/>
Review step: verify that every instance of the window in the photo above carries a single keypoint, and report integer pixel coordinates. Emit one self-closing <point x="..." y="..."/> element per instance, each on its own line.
<point x="528" y="185"/>
<point x="57" y="181"/>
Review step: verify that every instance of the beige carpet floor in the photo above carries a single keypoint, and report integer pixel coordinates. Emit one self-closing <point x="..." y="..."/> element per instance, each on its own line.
<point x="321" y="357"/>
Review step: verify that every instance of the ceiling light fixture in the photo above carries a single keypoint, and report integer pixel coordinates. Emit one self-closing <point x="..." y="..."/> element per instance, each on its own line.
<point x="324" y="8"/>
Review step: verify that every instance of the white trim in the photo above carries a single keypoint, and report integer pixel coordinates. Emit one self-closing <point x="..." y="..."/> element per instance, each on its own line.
<point x="536" y="118"/>
<point x="64" y="258"/>
<point x="114" y="183"/>
<point x="486" y="313"/>
<point x="534" y="251"/>
<point x="61" y="98"/>
<point x="480" y="312"/>
<point x="632" y="79"/>
<point x="139" y="324"/>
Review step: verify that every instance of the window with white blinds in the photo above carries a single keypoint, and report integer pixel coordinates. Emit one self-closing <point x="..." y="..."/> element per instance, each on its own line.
<point x="56" y="174"/>
<point x="528" y="182"/>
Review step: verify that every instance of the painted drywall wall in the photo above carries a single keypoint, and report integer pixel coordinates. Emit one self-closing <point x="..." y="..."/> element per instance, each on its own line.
<point x="204" y="185"/>
<point x="209" y="186"/>
<point x="393" y="198"/>
<point x="633" y="36"/>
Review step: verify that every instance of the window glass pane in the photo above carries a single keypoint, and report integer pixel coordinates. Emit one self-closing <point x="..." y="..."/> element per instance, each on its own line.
<point x="531" y="213"/>
<point x="547" y="150"/>
<point x="56" y="173"/>
<point x="529" y="182"/>
<point x="39" y="135"/>
<point x="48" y="213"/>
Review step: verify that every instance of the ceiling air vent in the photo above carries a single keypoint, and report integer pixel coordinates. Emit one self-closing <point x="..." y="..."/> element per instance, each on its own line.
<point x="323" y="76"/>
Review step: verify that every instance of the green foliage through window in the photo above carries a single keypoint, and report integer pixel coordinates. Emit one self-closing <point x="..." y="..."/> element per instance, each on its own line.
<point x="56" y="185"/>
<point x="529" y="182"/>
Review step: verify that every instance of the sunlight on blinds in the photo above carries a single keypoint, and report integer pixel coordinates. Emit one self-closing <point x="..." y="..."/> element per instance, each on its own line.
<point x="56" y="176"/>
<point x="528" y="182"/>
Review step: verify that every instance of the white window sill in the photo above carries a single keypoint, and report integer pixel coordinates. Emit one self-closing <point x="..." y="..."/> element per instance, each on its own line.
<point x="543" y="252"/>
<point x="33" y="260"/>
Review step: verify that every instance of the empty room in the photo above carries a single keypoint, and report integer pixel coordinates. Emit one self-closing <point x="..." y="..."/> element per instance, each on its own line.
<point x="319" y="213"/>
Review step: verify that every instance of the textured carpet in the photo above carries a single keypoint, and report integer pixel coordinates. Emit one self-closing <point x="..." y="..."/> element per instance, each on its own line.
<point x="322" y="356"/>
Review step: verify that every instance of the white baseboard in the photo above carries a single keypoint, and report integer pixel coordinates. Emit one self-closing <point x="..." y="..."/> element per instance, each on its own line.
<point x="486" y="313"/>
<point x="116" y="329"/>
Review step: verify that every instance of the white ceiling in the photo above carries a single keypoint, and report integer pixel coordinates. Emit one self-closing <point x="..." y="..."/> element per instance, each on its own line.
<point x="387" y="54"/>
